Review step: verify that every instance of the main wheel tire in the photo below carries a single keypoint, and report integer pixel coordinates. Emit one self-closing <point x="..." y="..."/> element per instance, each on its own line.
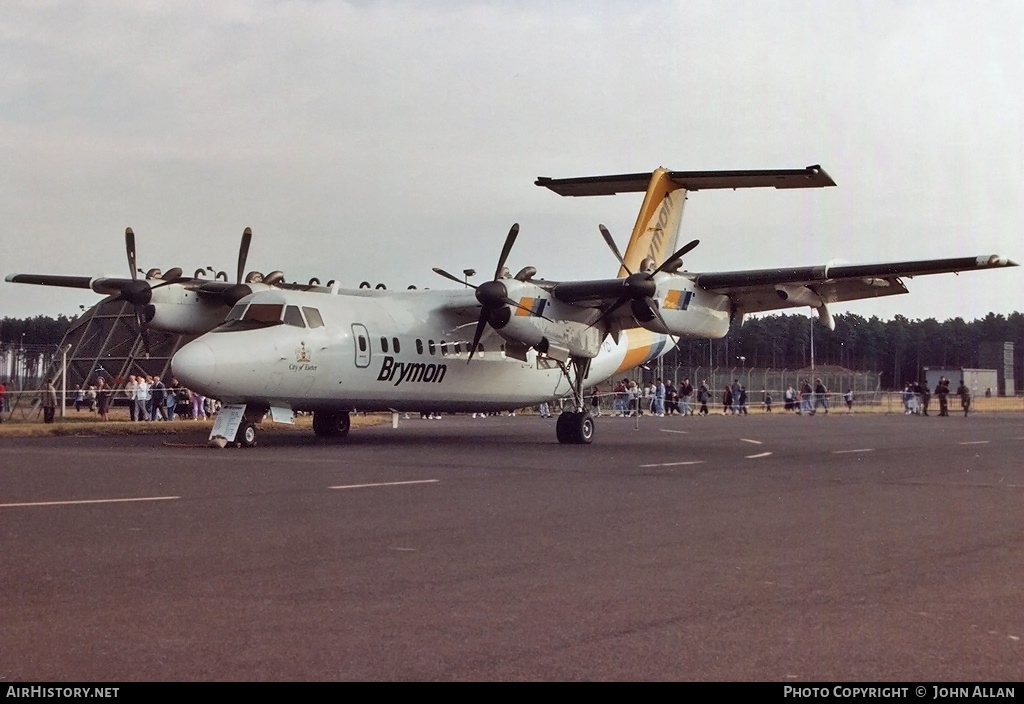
<point x="333" y="424"/>
<point x="584" y="429"/>
<point x="575" y="428"/>
<point x="563" y="427"/>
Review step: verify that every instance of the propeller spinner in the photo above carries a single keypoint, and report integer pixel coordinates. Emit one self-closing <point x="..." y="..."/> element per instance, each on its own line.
<point x="639" y="288"/>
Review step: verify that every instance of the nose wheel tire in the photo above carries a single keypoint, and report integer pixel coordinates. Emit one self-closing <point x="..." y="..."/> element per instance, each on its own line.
<point x="246" y="435"/>
<point x="575" y="428"/>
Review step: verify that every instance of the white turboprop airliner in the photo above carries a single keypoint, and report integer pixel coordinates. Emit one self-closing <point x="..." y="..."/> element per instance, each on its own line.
<point x="511" y="342"/>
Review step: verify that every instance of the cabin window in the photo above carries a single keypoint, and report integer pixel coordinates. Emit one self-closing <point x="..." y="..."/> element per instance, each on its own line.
<point x="362" y="344"/>
<point x="313" y="317"/>
<point x="444" y="347"/>
<point x="430" y="346"/>
<point x="419" y="346"/>
<point x="458" y="348"/>
<point x="293" y="317"/>
<point x="395" y="346"/>
<point x="384" y="345"/>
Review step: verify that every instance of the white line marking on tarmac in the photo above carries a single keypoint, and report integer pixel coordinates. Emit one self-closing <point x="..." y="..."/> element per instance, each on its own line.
<point x="366" y="486"/>
<point x="975" y="442"/>
<point x="847" y="452"/>
<point x="674" y="464"/>
<point x="752" y="442"/>
<point x="666" y="430"/>
<point x="91" y="501"/>
<point x="754" y="457"/>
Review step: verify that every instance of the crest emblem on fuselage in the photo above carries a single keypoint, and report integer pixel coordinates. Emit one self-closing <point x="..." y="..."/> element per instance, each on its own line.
<point x="302" y="355"/>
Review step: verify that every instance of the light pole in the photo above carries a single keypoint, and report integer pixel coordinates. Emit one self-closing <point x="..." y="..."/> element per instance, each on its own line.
<point x="63" y="377"/>
<point x="812" y="342"/>
<point x="468" y="273"/>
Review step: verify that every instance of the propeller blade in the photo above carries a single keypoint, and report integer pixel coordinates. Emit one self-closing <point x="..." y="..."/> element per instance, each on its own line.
<point x="611" y="245"/>
<point x="481" y="324"/>
<point x="615" y="306"/>
<point x="510" y="240"/>
<point x="143" y="330"/>
<point x="243" y="253"/>
<point x="456" y="279"/>
<point x="678" y="255"/>
<point x="129" y="246"/>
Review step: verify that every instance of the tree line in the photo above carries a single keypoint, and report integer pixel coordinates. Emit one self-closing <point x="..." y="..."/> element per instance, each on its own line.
<point x="898" y="348"/>
<point x="40" y="330"/>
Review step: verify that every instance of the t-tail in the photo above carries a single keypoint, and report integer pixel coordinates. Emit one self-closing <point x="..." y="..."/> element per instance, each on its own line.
<point x="656" y="231"/>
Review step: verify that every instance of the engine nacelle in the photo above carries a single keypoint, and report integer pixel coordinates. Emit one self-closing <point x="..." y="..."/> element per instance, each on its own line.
<point x="687" y="309"/>
<point x="563" y="328"/>
<point x="177" y="310"/>
<point x="800" y="295"/>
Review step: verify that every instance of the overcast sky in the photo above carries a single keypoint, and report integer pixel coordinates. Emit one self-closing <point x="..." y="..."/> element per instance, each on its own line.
<point x="366" y="140"/>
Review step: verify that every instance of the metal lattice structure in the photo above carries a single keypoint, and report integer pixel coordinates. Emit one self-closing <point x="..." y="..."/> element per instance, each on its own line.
<point x="106" y="340"/>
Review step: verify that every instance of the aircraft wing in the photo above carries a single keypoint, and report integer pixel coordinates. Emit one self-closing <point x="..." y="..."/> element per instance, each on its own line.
<point x="773" y="289"/>
<point x="99" y="284"/>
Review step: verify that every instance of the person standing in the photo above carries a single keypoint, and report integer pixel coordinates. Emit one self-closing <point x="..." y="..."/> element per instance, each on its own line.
<point x="129" y="391"/>
<point x="3" y="400"/>
<point x="942" y="391"/>
<point x="965" y="397"/>
<point x="703" y="394"/>
<point x="171" y="400"/>
<point x="48" y="400"/>
<point x="806" y="398"/>
<point x="141" y="398"/>
<point x="820" y="395"/>
<point x="659" y="399"/>
<point x="685" y="392"/>
<point x="102" y="398"/>
<point x="158" y="397"/>
<point x="789" y="398"/>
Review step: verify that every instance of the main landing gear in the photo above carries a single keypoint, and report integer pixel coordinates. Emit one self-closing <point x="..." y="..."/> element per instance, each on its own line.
<point x="575" y="427"/>
<point x="331" y="424"/>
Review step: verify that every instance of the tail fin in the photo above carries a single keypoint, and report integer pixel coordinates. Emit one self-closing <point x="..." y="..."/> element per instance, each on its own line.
<point x="657" y="225"/>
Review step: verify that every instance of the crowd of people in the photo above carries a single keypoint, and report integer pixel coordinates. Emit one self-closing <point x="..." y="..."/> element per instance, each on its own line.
<point x="148" y="398"/>
<point x="917" y="397"/>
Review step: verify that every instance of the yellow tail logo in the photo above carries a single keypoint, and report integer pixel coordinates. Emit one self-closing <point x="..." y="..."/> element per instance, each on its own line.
<point x="657" y="226"/>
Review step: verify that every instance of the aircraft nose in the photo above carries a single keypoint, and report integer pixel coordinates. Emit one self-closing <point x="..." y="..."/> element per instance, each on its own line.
<point x="194" y="366"/>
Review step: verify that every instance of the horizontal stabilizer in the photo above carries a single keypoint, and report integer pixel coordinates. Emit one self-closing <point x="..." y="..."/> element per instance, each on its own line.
<point x="810" y="177"/>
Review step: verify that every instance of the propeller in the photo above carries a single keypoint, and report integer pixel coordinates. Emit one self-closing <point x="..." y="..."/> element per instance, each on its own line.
<point x="136" y="292"/>
<point x="240" y="290"/>
<point x="639" y="288"/>
<point x="492" y="295"/>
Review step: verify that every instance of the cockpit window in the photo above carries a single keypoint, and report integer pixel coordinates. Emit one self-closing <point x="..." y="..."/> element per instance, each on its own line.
<point x="264" y="313"/>
<point x="236" y="312"/>
<point x="292" y="316"/>
<point x="313" y="317"/>
<point x="257" y="315"/>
